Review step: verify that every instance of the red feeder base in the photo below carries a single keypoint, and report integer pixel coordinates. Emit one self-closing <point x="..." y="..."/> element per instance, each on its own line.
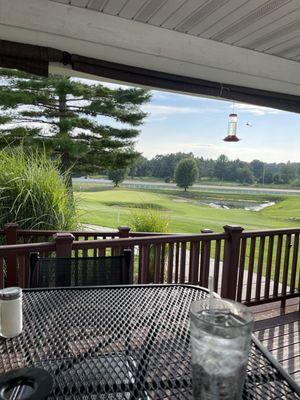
<point x="231" y="138"/>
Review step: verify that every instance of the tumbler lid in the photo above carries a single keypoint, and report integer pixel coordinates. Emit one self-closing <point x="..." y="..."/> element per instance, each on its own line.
<point x="10" y="293"/>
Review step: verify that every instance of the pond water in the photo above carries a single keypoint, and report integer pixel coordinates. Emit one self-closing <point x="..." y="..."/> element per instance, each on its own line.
<point x="243" y="204"/>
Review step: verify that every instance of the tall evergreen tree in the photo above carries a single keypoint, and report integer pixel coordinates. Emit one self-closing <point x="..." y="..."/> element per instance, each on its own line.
<point x="66" y="116"/>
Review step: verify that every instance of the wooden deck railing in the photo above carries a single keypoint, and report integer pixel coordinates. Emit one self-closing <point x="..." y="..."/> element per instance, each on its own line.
<point x="11" y="234"/>
<point x="253" y="267"/>
<point x="164" y="258"/>
<point x="269" y="266"/>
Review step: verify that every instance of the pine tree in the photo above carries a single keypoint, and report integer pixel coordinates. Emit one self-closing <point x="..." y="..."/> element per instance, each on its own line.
<point x="67" y="117"/>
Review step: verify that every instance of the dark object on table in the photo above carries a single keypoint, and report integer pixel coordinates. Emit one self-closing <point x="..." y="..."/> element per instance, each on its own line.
<point x="81" y="271"/>
<point x="25" y="384"/>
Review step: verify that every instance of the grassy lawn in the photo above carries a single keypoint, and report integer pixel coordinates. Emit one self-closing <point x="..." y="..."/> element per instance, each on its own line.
<point x="112" y="207"/>
<point x="107" y="206"/>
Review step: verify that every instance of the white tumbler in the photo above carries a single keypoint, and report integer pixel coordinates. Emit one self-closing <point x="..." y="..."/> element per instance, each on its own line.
<point x="11" y="318"/>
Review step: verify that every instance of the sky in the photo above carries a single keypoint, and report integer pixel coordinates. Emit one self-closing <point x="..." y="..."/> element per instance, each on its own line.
<point x="193" y="124"/>
<point x="179" y="122"/>
<point x="185" y="123"/>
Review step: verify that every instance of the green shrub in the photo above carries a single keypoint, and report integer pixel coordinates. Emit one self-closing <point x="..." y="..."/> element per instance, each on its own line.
<point x="33" y="193"/>
<point x="148" y="220"/>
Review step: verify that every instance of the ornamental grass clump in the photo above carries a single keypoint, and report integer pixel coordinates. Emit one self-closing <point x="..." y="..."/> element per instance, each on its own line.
<point x="148" y="220"/>
<point x="33" y="193"/>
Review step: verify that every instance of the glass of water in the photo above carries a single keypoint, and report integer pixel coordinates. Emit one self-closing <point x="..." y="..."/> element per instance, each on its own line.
<point x="220" y="343"/>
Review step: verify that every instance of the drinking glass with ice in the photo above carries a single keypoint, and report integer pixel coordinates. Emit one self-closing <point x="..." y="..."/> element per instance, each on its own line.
<point x="220" y="341"/>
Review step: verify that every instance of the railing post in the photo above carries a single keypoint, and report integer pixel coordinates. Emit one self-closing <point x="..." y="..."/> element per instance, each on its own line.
<point x="11" y="235"/>
<point x="231" y="261"/>
<point x="63" y="242"/>
<point x="123" y="231"/>
<point x="207" y="230"/>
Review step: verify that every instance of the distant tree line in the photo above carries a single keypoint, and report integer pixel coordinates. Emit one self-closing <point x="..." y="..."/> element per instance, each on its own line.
<point x="221" y="169"/>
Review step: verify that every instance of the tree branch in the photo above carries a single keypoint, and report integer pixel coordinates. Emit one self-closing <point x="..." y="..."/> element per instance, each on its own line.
<point x="79" y="99"/>
<point x="47" y="106"/>
<point x="17" y="121"/>
<point x="77" y="107"/>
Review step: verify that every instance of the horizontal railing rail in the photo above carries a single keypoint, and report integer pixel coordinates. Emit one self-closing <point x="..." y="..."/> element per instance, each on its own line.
<point x="14" y="261"/>
<point x="16" y="249"/>
<point x="143" y="234"/>
<point x="12" y="234"/>
<point x="267" y="232"/>
<point x="251" y="267"/>
<point x="41" y="233"/>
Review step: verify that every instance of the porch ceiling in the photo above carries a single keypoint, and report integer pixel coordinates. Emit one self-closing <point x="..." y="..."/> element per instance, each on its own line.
<point x="270" y="27"/>
<point x="250" y="43"/>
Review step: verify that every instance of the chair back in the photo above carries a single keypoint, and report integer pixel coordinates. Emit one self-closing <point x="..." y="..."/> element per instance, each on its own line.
<point x="81" y="271"/>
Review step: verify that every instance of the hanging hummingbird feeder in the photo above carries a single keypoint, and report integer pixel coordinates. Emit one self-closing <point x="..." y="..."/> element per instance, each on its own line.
<point x="232" y="125"/>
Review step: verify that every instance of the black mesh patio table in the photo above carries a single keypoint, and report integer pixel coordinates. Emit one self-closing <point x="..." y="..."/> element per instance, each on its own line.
<point x="123" y="343"/>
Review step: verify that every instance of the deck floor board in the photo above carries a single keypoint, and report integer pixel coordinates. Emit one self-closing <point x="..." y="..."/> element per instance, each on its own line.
<point x="279" y="331"/>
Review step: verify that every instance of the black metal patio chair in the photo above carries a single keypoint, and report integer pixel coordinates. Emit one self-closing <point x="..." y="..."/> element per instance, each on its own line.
<point x="86" y="271"/>
<point x="81" y="271"/>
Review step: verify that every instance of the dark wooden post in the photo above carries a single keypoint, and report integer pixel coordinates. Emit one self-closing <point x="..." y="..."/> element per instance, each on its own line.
<point x="205" y="250"/>
<point x="231" y="261"/>
<point x="11" y="235"/>
<point x="64" y="242"/>
<point x="123" y="231"/>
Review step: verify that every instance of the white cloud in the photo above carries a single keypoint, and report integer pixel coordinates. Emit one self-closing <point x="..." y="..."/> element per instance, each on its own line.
<point x="255" y="110"/>
<point x="161" y="95"/>
<point x="155" y="110"/>
<point x="198" y="146"/>
<point x="115" y="85"/>
<point x="97" y="82"/>
<point x="165" y="110"/>
<point x="214" y="150"/>
<point x="170" y="95"/>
